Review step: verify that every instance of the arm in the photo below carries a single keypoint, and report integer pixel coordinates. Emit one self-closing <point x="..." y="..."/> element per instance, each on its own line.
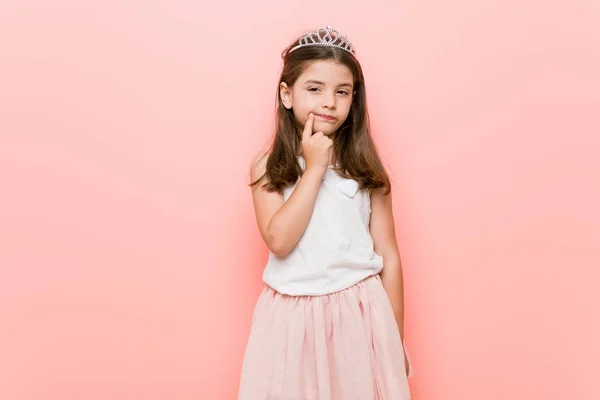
<point x="282" y="223"/>
<point x="384" y="240"/>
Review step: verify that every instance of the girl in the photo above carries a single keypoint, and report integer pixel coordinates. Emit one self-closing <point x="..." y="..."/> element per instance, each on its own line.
<point x="328" y="324"/>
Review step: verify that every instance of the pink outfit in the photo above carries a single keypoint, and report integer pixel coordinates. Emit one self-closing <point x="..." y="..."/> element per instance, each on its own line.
<point x="339" y="346"/>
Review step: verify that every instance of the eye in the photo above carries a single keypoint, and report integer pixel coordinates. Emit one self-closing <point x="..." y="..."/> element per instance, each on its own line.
<point x="313" y="89"/>
<point x="343" y="92"/>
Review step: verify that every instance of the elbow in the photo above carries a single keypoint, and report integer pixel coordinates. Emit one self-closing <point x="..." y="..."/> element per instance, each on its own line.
<point x="276" y="242"/>
<point x="279" y="248"/>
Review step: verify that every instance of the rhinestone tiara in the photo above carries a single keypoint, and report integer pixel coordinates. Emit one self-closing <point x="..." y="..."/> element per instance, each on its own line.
<point x="325" y="36"/>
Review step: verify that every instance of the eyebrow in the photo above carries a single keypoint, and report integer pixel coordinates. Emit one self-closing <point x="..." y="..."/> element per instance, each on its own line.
<point x="315" y="82"/>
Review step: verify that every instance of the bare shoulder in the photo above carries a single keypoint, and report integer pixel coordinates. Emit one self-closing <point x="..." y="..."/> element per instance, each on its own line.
<point x="379" y="195"/>
<point x="266" y="203"/>
<point x="259" y="165"/>
<point x="382" y="224"/>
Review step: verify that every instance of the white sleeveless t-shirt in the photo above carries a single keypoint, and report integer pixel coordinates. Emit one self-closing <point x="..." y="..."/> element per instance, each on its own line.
<point x="336" y="249"/>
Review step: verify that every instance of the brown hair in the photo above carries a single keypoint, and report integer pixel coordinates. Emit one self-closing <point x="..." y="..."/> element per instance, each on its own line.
<point x="353" y="148"/>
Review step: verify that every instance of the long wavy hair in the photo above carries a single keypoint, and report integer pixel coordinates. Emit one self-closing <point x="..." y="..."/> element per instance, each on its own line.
<point x="354" y="153"/>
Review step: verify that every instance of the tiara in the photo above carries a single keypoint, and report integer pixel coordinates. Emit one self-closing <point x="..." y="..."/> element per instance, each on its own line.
<point x="326" y="36"/>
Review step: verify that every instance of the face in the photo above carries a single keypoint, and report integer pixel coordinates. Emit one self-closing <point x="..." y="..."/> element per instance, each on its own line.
<point x="324" y="88"/>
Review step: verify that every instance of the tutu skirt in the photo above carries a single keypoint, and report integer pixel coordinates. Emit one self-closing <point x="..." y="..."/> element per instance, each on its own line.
<point x="340" y="346"/>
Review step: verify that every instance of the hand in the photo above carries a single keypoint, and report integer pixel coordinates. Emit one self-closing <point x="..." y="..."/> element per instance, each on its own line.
<point x="316" y="148"/>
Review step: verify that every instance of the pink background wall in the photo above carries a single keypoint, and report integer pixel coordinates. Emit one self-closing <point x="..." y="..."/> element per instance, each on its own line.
<point x="129" y="257"/>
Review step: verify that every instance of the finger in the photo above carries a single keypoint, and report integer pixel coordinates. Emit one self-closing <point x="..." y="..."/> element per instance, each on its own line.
<point x="308" y="127"/>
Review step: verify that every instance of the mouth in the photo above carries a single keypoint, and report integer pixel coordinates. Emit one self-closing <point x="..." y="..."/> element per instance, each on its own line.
<point x="326" y="118"/>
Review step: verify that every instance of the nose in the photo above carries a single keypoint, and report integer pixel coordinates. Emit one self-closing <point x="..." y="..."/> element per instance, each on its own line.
<point x="329" y="101"/>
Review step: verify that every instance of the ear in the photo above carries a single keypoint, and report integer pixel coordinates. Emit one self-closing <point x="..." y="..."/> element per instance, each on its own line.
<point x="285" y="93"/>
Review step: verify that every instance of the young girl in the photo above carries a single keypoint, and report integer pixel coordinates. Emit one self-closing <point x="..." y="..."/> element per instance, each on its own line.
<point x="328" y="324"/>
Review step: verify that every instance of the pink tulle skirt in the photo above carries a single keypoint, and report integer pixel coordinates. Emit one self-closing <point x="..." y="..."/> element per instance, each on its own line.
<point x="341" y="346"/>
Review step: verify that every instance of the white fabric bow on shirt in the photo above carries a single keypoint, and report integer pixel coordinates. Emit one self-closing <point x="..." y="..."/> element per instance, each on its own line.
<point x="349" y="187"/>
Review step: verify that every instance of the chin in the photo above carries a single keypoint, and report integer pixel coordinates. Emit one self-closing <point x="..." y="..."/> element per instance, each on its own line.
<point x="327" y="129"/>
